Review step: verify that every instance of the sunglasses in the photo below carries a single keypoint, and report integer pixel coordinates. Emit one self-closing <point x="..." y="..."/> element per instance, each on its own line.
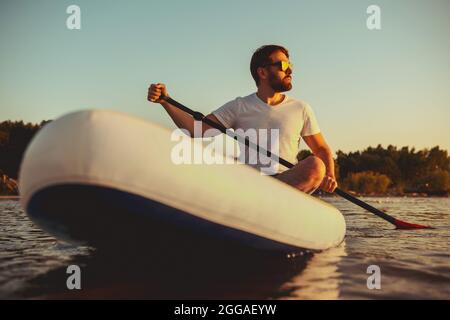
<point x="282" y="65"/>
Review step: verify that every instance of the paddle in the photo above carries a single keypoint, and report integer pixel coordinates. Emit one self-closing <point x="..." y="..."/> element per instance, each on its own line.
<point x="399" y="224"/>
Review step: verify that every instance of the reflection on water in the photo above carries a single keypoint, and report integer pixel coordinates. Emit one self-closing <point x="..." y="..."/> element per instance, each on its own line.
<point x="414" y="264"/>
<point x="321" y="279"/>
<point x="179" y="276"/>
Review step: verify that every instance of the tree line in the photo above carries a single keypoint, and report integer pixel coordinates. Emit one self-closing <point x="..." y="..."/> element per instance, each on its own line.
<point x="393" y="171"/>
<point x="380" y="171"/>
<point x="14" y="138"/>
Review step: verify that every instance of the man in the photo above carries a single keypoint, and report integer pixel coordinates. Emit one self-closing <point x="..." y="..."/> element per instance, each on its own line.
<point x="268" y="108"/>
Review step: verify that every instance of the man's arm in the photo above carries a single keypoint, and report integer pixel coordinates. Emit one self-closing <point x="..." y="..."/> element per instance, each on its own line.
<point x="322" y="150"/>
<point x="186" y="121"/>
<point x="179" y="117"/>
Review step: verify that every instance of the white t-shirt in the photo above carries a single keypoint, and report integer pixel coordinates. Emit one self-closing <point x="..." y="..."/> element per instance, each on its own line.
<point x="293" y="119"/>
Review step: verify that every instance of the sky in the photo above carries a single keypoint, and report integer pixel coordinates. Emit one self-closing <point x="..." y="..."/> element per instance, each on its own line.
<point x="367" y="87"/>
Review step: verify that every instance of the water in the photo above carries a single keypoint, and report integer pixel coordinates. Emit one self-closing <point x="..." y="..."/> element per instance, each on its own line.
<point x="413" y="264"/>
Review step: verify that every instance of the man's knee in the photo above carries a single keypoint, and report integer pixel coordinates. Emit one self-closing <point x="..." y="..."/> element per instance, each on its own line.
<point x="317" y="169"/>
<point x="306" y="176"/>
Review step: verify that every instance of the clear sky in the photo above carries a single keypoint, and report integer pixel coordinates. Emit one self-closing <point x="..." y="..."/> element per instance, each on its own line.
<point x="389" y="86"/>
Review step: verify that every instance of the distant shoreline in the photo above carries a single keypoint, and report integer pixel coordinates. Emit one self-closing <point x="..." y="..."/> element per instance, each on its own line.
<point x="320" y="193"/>
<point x="386" y="196"/>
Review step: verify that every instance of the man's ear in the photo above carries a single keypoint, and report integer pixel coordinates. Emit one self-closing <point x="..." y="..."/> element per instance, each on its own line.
<point x="262" y="73"/>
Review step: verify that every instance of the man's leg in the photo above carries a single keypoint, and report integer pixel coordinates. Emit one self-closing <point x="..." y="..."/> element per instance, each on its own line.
<point x="306" y="176"/>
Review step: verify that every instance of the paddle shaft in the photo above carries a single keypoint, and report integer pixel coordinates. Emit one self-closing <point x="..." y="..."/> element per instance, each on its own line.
<point x="200" y="117"/>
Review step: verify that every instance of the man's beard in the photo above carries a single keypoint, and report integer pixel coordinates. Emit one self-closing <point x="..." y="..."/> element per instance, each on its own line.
<point x="279" y="85"/>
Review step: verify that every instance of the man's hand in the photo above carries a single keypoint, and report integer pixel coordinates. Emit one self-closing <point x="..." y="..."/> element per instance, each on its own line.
<point x="328" y="184"/>
<point x="155" y="91"/>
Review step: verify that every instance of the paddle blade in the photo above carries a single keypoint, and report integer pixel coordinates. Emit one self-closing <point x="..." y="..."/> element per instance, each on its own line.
<point x="402" y="225"/>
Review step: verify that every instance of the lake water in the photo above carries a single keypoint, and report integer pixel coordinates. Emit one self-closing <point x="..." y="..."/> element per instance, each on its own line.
<point x="413" y="264"/>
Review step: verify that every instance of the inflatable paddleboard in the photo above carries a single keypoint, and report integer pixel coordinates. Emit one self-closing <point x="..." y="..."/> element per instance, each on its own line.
<point x="102" y="177"/>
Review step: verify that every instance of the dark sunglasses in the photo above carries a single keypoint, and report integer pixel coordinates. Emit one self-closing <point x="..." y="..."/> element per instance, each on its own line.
<point x="282" y="65"/>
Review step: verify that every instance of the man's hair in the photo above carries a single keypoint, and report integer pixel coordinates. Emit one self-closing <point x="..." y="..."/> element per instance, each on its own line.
<point x="261" y="57"/>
